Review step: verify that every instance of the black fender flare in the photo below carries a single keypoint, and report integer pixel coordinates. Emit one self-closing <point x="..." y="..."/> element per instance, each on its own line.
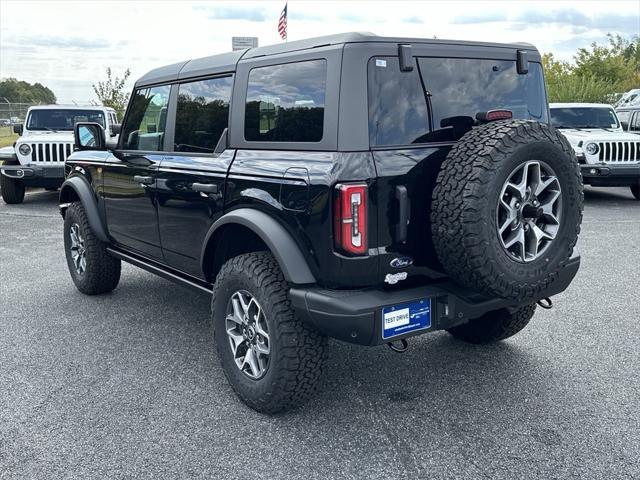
<point x="85" y="193"/>
<point x="282" y="245"/>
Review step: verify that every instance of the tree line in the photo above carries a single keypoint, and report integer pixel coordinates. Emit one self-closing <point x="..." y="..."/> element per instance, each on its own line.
<point x="598" y="74"/>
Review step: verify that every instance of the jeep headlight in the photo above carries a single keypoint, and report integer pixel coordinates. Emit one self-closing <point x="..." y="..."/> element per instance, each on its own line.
<point x="591" y="148"/>
<point x="24" y="149"/>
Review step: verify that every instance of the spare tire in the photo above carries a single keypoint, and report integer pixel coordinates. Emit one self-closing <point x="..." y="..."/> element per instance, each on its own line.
<point x="507" y="208"/>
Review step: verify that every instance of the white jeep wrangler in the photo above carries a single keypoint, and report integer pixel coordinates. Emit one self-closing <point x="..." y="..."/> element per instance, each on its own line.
<point x="46" y="140"/>
<point x="608" y="156"/>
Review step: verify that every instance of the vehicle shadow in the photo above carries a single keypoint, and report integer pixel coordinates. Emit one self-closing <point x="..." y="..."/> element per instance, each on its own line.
<point x="602" y="196"/>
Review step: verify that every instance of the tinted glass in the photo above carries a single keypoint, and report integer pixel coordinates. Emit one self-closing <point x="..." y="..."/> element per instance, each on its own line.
<point x="588" y="117"/>
<point x="440" y="100"/>
<point x="60" y="120"/>
<point x="635" y="123"/>
<point x="146" y="120"/>
<point x="285" y="103"/>
<point x="397" y="108"/>
<point x="202" y="114"/>
<point x="460" y="88"/>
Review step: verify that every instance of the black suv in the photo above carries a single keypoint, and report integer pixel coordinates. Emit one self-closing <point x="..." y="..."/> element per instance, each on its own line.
<point x="353" y="186"/>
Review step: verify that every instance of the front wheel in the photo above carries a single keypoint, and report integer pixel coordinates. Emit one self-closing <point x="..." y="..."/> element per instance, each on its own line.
<point x="272" y="360"/>
<point x="635" y="190"/>
<point x="12" y="189"/>
<point x="494" y="326"/>
<point x="92" y="269"/>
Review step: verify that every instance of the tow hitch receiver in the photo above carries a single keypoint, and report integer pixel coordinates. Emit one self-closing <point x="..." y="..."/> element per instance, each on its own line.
<point x="403" y="347"/>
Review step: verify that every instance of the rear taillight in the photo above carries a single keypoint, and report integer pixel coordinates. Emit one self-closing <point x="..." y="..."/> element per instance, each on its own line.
<point x="350" y="218"/>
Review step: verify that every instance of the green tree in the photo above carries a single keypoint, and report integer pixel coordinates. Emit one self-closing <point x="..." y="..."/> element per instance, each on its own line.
<point x="599" y="73"/>
<point x="111" y="92"/>
<point x="18" y="91"/>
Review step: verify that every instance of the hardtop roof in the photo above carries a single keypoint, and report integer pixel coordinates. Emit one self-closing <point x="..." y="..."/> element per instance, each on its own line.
<point x="226" y="62"/>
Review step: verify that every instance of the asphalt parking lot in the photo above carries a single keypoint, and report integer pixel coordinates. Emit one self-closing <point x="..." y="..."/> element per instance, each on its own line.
<point x="127" y="385"/>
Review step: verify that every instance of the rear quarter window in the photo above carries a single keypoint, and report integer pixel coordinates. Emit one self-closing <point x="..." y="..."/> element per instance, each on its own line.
<point x="285" y="103"/>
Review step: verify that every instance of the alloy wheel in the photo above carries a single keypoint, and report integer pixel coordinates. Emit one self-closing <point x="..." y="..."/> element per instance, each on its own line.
<point x="248" y="334"/>
<point x="528" y="213"/>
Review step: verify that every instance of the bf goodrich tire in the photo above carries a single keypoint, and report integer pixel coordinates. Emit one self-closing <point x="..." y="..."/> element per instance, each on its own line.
<point x="92" y="269"/>
<point x="12" y="189"/>
<point x="635" y="190"/>
<point x="272" y="360"/>
<point x="494" y="326"/>
<point x="507" y="209"/>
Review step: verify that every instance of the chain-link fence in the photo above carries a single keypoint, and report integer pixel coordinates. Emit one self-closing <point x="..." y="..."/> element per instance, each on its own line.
<point x="11" y="114"/>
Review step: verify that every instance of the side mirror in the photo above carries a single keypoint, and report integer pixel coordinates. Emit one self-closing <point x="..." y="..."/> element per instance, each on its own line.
<point x="89" y="136"/>
<point x="19" y="128"/>
<point x="116" y="128"/>
<point x="625" y="126"/>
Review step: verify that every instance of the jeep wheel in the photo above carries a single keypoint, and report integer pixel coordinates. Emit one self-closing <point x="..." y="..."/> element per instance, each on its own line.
<point x="635" y="190"/>
<point x="494" y="326"/>
<point x="507" y="208"/>
<point x="271" y="359"/>
<point x="92" y="269"/>
<point x="12" y="189"/>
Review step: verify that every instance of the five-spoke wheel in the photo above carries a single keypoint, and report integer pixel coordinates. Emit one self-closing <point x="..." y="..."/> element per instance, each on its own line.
<point x="78" y="250"/>
<point x="528" y="214"/>
<point x="248" y="335"/>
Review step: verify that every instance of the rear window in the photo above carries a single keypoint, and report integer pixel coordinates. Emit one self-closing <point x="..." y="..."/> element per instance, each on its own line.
<point x="583" y="117"/>
<point x="285" y="103"/>
<point x="439" y="100"/>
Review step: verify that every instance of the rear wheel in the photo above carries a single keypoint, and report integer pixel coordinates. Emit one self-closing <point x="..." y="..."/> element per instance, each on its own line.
<point x="507" y="209"/>
<point x="92" y="269"/>
<point x="272" y="360"/>
<point x="494" y="326"/>
<point x="635" y="190"/>
<point x="12" y="189"/>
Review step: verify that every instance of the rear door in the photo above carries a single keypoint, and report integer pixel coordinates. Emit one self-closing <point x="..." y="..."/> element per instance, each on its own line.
<point x="191" y="179"/>
<point x="130" y="174"/>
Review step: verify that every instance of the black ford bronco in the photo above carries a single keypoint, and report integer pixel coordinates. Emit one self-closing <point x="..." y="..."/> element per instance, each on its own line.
<point x="353" y="186"/>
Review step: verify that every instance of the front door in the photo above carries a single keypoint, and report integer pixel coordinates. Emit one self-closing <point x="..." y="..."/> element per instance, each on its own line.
<point x="130" y="174"/>
<point x="192" y="178"/>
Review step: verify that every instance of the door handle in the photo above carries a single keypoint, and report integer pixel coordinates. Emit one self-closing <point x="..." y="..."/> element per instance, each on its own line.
<point x="143" y="180"/>
<point x="205" y="187"/>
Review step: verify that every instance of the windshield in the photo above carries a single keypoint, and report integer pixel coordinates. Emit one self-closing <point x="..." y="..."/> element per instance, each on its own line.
<point x="61" y="120"/>
<point x="584" y="117"/>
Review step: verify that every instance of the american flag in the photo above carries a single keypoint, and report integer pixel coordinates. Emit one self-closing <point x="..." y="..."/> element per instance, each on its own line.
<point x="282" y="23"/>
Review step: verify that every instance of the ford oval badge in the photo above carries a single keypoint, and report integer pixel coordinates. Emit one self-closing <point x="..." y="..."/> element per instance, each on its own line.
<point x="401" y="262"/>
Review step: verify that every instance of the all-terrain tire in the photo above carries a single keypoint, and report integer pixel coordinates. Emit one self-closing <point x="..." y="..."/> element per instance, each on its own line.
<point x="102" y="271"/>
<point x="297" y="352"/>
<point x="494" y="326"/>
<point x="12" y="189"/>
<point x="635" y="191"/>
<point x="466" y="196"/>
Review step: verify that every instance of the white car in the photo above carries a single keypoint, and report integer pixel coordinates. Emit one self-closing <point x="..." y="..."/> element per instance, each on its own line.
<point x="608" y="156"/>
<point x="46" y="140"/>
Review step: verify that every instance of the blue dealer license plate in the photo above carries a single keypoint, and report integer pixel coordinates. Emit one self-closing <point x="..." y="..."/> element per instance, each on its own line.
<point x="406" y="317"/>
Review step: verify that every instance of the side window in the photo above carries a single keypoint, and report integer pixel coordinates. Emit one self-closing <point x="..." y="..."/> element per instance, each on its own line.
<point x="285" y="103"/>
<point x="635" y="123"/>
<point x="146" y="121"/>
<point x="202" y="114"/>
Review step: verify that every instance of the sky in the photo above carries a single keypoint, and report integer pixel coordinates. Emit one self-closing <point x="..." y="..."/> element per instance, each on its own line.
<point x="68" y="45"/>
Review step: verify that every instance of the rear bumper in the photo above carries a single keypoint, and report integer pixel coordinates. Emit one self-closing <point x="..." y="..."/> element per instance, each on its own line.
<point x="355" y="316"/>
<point x="603" y="175"/>
<point x="33" y="174"/>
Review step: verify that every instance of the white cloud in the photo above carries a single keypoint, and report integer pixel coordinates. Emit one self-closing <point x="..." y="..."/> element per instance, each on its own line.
<point x="68" y="45"/>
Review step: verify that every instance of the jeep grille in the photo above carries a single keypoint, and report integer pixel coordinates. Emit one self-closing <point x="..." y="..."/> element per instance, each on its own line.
<point x="50" y="152"/>
<point x="619" y="151"/>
